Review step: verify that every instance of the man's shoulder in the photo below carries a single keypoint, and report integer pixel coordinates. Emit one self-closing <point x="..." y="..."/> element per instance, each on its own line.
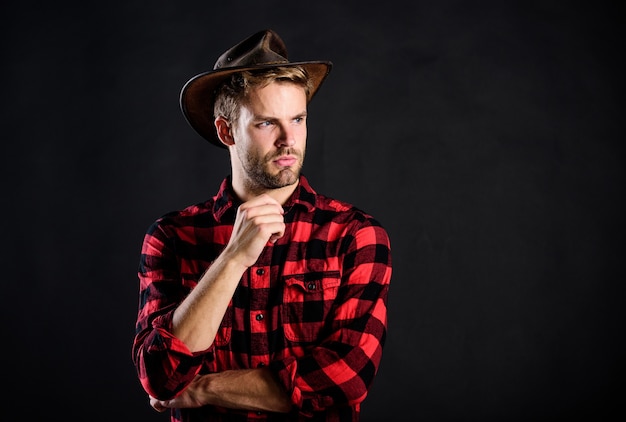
<point x="186" y="215"/>
<point x="344" y="210"/>
<point x="206" y="208"/>
<point x="333" y="204"/>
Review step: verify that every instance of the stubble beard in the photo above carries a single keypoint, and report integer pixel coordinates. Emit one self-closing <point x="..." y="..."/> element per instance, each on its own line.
<point x="260" y="179"/>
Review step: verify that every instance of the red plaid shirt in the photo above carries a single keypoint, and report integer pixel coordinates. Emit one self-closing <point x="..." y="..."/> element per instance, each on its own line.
<point x="313" y="308"/>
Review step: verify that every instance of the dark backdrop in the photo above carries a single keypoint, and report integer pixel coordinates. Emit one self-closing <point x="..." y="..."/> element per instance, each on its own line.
<point x="487" y="137"/>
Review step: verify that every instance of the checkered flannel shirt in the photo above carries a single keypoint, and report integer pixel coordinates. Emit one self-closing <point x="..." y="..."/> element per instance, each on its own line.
<point x="313" y="308"/>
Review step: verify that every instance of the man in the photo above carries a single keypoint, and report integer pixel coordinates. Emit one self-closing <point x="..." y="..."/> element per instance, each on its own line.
<point x="268" y="301"/>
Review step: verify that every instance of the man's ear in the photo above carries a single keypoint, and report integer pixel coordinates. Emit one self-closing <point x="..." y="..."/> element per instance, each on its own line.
<point x="224" y="132"/>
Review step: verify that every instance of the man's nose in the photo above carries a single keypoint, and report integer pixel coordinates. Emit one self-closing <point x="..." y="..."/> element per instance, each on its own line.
<point x="287" y="137"/>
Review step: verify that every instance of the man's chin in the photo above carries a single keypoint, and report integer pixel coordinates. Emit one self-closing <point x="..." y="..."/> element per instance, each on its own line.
<point x="287" y="177"/>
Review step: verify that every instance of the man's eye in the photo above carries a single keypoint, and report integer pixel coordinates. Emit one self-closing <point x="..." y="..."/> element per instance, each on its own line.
<point x="265" y="123"/>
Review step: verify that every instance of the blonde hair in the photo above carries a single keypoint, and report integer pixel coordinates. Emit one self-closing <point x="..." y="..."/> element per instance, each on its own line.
<point x="233" y="93"/>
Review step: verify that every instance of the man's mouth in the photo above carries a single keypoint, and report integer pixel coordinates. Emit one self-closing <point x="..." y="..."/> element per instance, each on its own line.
<point x="285" y="160"/>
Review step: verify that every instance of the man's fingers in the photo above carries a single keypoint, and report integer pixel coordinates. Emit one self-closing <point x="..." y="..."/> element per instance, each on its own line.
<point x="275" y="236"/>
<point x="156" y="404"/>
<point x="266" y="215"/>
<point x="258" y="221"/>
<point x="271" y="230"/>
<point x="249" y="212"/>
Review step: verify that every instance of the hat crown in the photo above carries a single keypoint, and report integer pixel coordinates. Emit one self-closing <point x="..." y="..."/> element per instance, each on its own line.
<point x="263" y="48"/>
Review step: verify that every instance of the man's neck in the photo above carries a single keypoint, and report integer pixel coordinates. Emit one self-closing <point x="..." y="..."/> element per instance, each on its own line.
<point x="281" y="195"/>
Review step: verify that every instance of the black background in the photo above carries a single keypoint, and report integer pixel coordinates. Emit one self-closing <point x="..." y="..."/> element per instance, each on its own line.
<point x="487" y="137"/>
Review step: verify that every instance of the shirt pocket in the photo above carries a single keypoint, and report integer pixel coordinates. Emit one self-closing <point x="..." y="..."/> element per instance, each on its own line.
<point x="307" y="301"/>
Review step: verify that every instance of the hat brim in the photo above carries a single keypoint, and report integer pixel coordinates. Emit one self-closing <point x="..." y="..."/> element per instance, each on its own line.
<point x="198" y="95"/>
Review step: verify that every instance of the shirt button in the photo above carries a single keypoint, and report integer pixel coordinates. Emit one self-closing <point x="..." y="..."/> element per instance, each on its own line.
<point x="260" y="271"/>
<point x="311" y="286"/>
<point x="259" y="317"/>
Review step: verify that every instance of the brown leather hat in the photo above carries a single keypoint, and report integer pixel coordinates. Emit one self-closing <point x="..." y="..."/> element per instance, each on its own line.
<point x="264" y="49"/>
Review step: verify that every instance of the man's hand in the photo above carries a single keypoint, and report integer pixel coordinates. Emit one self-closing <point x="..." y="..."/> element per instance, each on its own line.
<point x="258" y="221"/>
<point x="189" y="398"/>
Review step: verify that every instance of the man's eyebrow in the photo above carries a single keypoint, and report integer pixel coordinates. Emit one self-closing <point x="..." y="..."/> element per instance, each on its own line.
<point x="260" y="117"/>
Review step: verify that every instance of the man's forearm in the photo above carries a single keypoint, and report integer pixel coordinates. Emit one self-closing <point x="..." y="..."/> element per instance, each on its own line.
<point x="198" y="317"/>
<point x="248" y="389"/>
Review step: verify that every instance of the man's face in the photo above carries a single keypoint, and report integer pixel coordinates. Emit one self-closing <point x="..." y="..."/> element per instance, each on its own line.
<point x="270" y="136"/>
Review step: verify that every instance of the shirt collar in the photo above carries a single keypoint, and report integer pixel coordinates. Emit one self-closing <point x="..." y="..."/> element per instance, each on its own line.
<point x="225" y="199"/>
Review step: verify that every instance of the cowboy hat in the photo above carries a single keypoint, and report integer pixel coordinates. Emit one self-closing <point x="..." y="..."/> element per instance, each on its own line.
<point x="265" y="49"/>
